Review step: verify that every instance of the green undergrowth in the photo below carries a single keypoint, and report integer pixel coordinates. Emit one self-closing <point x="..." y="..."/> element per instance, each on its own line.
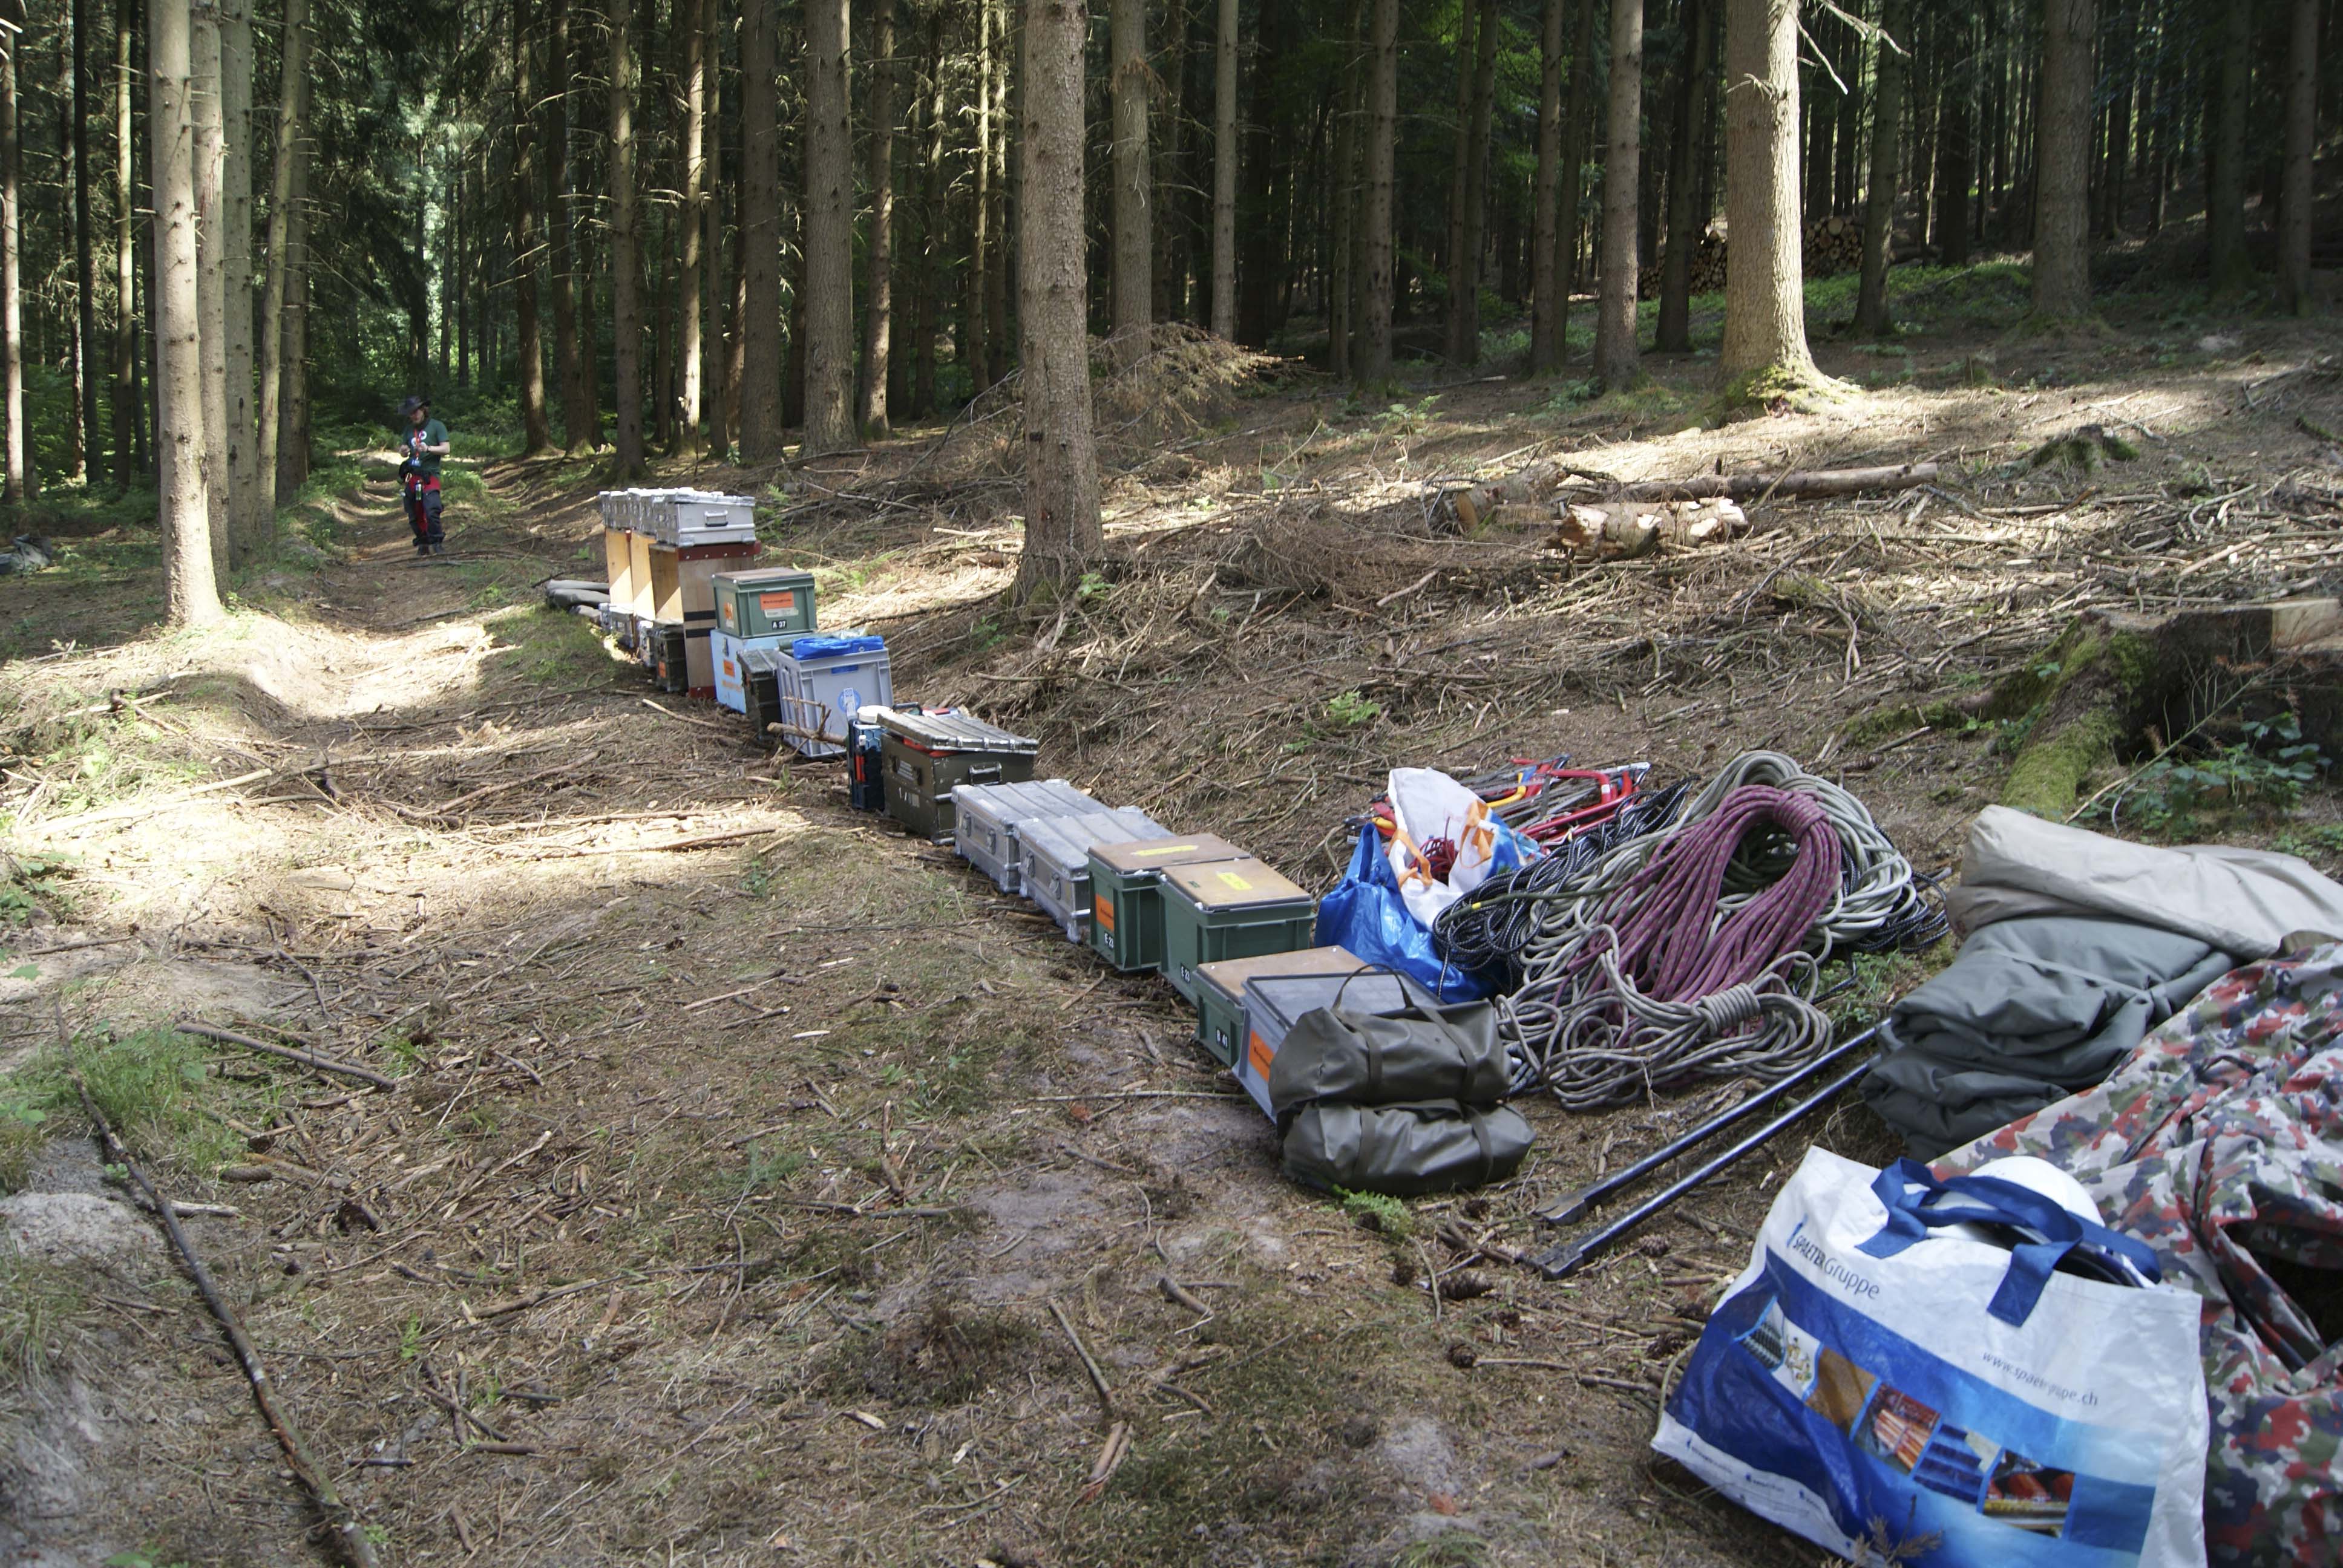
<point x="39" y="1300"/>
<point x="153" y="1086"/>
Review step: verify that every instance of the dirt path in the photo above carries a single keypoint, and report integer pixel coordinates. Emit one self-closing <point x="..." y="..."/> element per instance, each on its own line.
<point x="745" y="1157"/>
<point x="758" y="1180"/>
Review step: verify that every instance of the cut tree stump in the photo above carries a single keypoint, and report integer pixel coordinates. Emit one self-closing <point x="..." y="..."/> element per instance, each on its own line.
<point x="2117" y="684"/>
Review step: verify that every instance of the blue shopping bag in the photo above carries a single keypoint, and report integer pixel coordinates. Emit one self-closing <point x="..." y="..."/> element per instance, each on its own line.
<point x="1365" y="914"/>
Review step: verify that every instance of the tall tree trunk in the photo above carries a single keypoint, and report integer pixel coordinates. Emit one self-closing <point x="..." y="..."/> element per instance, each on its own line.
<point x="931" y="225"/>
<point x="190" y="581"/>
<point x="1465" y="316"/>
<point x="293" y="443"/>
<point x="760" y="221"/>
<point x="1062" y="533"/>
<point x="536" y="431"/>
<point x="2302" y="144"/>
<point x="1574" y="116"/>
<point x="211" y="270"/>
<point x="85" y="257"/>
<point x="1764" y="285"/>
<point x="1616" y="360"/>
<point x="1003" y="197"/>
<point x="1341" y="290"/>
<point x="580" y="420"/>
<point x="19" y="481"/>
<point x="1169" y="268"/>
<point x="879" y="306"/>
<point x="1956" y="160"/>
<point x="829" y="233"/>
<point x="691" y="226"/>
<point x="625" y="307"/>
<point x="713" y="338"/>
<point x="1871" y="314"/>
<point x="282" y="367"/>
<point x="1224" y="174"/>
<point x="1134" y="218"/>
<point x="1374" y="355"/>
<point x="1460" y="177"/>
<point x="1687" y="221"/>
<point x="2225" y="208"/>
<point x="249" y="526"/>
<point x="126" y="392"/>
<point x="2062" y="239"/>
<point x="1850" y="119"/>
<point x="1545" y="321"/>
<point x="974" y="352"/>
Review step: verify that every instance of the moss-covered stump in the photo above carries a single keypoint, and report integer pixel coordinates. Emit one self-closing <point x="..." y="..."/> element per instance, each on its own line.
<point x="2116" y="684"/>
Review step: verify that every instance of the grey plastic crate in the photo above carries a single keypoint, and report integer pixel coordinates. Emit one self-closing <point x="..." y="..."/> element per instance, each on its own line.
<point x="989" y="816"/>
<point x="1054" y="857"/>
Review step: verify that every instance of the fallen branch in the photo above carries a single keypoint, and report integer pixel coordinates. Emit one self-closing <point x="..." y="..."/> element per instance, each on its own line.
<point x="355" y="1544"/>
<point x="308" y="1059"/>
<point x="1097" y="1378"/>
<point x="1797" y="484"/>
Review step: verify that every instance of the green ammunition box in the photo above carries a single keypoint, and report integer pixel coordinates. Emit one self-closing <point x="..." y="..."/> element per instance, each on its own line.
<point x="765" y="602"/>
<point x="1127" y="894"/>
<point x="925" y="757"/>
<point x="1220" y="992"/>
<point x="1229" y="910"/>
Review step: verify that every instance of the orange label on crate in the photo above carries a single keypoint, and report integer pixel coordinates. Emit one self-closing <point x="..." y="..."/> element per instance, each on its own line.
<point x="1165" y="850"/>
<point x="1102" y="911"/>
<point x="783" y="602"/>
<point x="725" y="607"/>
<point x="1232" y="880"/>
<point x="1260" y="1055"/>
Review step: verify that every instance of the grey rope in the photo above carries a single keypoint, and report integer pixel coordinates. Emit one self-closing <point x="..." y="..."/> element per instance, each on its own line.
<point x="1596" y="1040"/>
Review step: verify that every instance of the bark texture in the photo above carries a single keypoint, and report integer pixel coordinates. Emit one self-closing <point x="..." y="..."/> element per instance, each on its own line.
<point x="2062" y="237"/>
<point x="1871" y="314"/>
<point x="829" y="233"/>
<point x="879" y="323"/>
<point x="1062" y="533"/>
<point x="1373" y="368"/>
<point x="1134" y="233"/>
<point x="1224" y="174"/>
<point x="190" y="585"/>
<point x="1765" y="283"/>
<point x="1545" y="321"/>
<point x="1617" y="361"/>
<point x="761" y="223"/>
<point x="626" y="309"/>
<point x="2301" y="145"/>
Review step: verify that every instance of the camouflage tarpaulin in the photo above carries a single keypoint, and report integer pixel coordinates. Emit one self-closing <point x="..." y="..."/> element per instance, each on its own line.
<point x="2219" y="1138"/>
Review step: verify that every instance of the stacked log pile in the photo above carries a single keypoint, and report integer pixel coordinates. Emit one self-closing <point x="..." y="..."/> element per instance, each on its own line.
<point x="1833" y="245"/>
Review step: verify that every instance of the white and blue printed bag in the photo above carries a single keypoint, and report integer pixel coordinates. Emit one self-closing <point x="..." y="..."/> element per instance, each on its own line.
<point x="1961" y="1374"/>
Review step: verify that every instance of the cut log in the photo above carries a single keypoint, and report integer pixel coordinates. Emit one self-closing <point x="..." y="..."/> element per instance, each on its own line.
<point x="1620" y="530"/>
<point x="1796" y="485"/>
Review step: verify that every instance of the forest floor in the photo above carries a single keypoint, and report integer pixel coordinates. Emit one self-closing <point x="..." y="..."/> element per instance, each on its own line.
<point x="758" y="1180"/>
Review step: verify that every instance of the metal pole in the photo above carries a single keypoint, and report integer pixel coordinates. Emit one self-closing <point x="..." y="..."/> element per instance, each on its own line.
<point x="1562" y="1261"/>
<point x="1574" y="1205"/>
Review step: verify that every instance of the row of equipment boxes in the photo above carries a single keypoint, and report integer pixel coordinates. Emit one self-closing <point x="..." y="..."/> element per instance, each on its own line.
<point x="686" y="599"/>
<point x="1228" y="933"/>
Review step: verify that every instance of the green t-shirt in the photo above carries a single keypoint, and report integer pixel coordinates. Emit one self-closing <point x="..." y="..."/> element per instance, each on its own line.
<point x="430" y="433"/>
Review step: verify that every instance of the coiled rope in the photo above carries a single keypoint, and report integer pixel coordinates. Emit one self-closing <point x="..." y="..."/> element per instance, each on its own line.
<point x="1767" y="873"/>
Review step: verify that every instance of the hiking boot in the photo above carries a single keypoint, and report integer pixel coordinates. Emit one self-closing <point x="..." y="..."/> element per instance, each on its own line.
<point x="439" y="547"/>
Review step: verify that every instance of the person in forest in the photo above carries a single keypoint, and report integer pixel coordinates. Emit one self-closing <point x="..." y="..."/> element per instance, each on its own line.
<point x="426" y="444"/>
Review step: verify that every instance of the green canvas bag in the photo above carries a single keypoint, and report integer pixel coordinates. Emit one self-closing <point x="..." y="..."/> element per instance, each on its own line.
<point x="1428" y="1052"/>
<point x="1403" y="1150"/>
